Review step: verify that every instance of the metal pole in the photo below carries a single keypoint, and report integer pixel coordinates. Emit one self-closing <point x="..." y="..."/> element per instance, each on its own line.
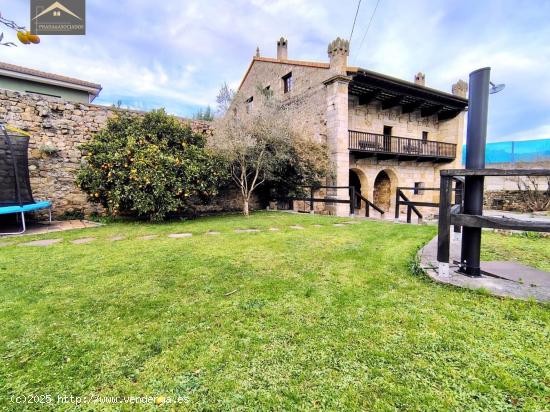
<point x="476" y="137"/>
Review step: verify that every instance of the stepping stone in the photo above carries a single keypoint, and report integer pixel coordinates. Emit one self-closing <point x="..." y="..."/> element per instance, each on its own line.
<point x="317" y="225"/>
<point x="179" y="235"/>
<point x="83" y="241"/>
<point x="212" y="232"/>
<point x="4" y="244"/>
<point x="246" y="230"/>
<point x="297" y="227"/>
<point x="352" y="222"/>
<point x="45" y="242"/>
<point x="117" y="238"/>
<point x="148" y="237"/>
<point x="338" y="224"/>
<point x="274" y="229"/>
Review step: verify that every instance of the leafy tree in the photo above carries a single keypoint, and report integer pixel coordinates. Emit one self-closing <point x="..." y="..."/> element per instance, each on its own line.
<point x="149" y="166"/>
<point x="263" y="148"/>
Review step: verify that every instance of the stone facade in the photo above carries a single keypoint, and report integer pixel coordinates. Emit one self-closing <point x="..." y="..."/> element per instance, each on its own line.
<point x="323" y="103"/>
<point x="57" y="129"/>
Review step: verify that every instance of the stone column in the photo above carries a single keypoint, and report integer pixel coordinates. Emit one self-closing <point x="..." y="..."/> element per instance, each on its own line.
<point x="337" y="136"/>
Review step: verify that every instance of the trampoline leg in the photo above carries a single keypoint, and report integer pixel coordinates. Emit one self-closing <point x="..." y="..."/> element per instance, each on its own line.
<point x="50" y="213"/>
<point x="23" y="222"/>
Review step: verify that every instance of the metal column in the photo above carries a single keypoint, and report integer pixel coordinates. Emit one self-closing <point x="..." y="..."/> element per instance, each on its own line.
<point x="476" y="137"/>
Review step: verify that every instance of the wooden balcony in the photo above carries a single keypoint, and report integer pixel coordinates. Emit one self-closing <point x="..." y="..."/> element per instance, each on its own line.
<point x="383" y="147"/>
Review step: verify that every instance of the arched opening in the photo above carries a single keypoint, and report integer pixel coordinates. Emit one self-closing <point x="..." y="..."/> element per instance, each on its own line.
<point x="382" y="191"/>
<point x="355" y="182"/>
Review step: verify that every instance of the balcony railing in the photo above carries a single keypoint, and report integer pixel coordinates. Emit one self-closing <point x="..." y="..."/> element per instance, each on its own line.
<point x="403" y="147"/>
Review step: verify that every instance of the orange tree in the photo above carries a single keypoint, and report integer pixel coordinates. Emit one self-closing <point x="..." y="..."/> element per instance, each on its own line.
<point x="149" y="166"/>
<point x="25" y="37"/>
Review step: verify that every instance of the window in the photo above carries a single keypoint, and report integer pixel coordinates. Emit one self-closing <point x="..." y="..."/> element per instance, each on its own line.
<point x="287" y="82"/>
<point x="42" y="94"/>
<point x="424" y="137"/>
<point x="418" y="188"/>
<point x="249" y="104"/>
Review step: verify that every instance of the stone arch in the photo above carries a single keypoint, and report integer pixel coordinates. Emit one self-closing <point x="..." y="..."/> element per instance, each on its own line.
<point x="385" y="187"/>
<point x="358" y="179"/>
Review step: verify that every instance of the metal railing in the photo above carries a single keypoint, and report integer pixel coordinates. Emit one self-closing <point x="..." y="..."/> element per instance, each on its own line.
<point x="405" y="146"/>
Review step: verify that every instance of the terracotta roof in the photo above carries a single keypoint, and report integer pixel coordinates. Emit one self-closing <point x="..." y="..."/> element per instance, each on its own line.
<point x="49" y="76"/>
<point x="317" y="65"/>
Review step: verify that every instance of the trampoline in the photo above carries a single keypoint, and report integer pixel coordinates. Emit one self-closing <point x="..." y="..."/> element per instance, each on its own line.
<point x="15" y="186"/>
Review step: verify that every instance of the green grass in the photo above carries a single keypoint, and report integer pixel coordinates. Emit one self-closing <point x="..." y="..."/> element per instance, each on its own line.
<point x="328" y="318"/>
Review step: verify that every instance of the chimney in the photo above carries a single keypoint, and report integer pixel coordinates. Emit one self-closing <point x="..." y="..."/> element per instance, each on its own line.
<point x="282" y="49"/>
<point x="338" y="52"/>
<point x="420" y="78"/>
<point x="460" y="88"/>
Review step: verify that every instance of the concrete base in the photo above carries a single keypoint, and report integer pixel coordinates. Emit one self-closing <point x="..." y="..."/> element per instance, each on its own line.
<point x="508" y="279"/>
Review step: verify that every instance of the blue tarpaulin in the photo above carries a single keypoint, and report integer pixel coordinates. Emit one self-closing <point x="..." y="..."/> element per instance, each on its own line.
<point x="515" y="152"/>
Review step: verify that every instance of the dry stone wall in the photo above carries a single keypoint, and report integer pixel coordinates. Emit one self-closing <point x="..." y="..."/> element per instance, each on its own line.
<point x="57" y="129"/>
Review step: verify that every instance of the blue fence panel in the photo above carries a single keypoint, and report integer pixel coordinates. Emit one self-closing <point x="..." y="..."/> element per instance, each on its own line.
<point x="514" y="152"/>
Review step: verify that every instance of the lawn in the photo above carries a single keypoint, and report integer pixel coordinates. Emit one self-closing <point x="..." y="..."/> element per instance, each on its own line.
<point x="324" y="317"/>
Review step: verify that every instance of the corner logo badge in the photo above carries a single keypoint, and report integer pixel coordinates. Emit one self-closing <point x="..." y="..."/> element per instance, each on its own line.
<point x="50" y="17"/>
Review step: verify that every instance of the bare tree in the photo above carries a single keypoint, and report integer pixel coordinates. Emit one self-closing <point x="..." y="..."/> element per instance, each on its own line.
<point x="254" y="145"/>
<point x="534" y="197"/>
<point x="224" y="98"/>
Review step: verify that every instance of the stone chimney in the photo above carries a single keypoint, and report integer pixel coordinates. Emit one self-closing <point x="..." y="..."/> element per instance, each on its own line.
<point x="460" y="88"/>
<point x="420" y="79"/>
<point x="282" y="49"/>
<point x="338" y="52"/>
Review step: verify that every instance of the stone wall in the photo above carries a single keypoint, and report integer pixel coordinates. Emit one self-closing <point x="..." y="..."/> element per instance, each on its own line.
<point x="57" y="129"/>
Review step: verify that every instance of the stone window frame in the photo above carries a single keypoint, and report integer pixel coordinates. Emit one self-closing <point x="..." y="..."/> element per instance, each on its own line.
<point x="288" y="83"/>
<point x="249" y="104"/>
<point x="418" y="188"/>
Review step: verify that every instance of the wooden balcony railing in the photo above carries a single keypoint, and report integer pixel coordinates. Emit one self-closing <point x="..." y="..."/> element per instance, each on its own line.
<point x="400" y="146"/>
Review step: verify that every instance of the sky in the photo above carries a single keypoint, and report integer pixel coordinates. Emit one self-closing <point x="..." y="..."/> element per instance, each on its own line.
<point x="177" y="53"/>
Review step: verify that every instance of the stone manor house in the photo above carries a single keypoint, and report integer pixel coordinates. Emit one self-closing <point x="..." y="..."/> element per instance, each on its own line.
<point x="382" y="132"/>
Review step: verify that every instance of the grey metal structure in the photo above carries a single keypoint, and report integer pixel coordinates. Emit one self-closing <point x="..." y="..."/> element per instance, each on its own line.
<point x="476" y="138"/>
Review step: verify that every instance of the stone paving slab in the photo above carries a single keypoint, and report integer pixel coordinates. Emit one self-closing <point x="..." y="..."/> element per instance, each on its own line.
<point x="83" y="241"/>
<point x="39" y="228"/>
<point x="274" y="229"/>
<point x="44" y="242"/>
<point x="247" y="230"/>
<point x="517" y="272"/>
<point x="338" y="224"/>
<point x="4" y="244"/>
<point x="297" y="227"/>
<point x="212" y="232"/>
<point x="351" y="222"/>
<point x="497" y="286"/>
<point x="116" y="238"/>
<point x="148" y="237"/>
<point x="179" y="235"/>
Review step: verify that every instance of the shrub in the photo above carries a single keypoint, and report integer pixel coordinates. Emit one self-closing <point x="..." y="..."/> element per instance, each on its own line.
<point x="148" y="166"/>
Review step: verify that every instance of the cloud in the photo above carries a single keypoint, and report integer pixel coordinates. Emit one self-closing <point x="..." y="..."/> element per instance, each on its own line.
<point x="176" y="53"/>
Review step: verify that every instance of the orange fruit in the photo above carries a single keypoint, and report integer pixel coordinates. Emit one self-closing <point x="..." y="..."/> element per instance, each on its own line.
<point x="22" y="36"/>
<point x="33" y="38"/>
